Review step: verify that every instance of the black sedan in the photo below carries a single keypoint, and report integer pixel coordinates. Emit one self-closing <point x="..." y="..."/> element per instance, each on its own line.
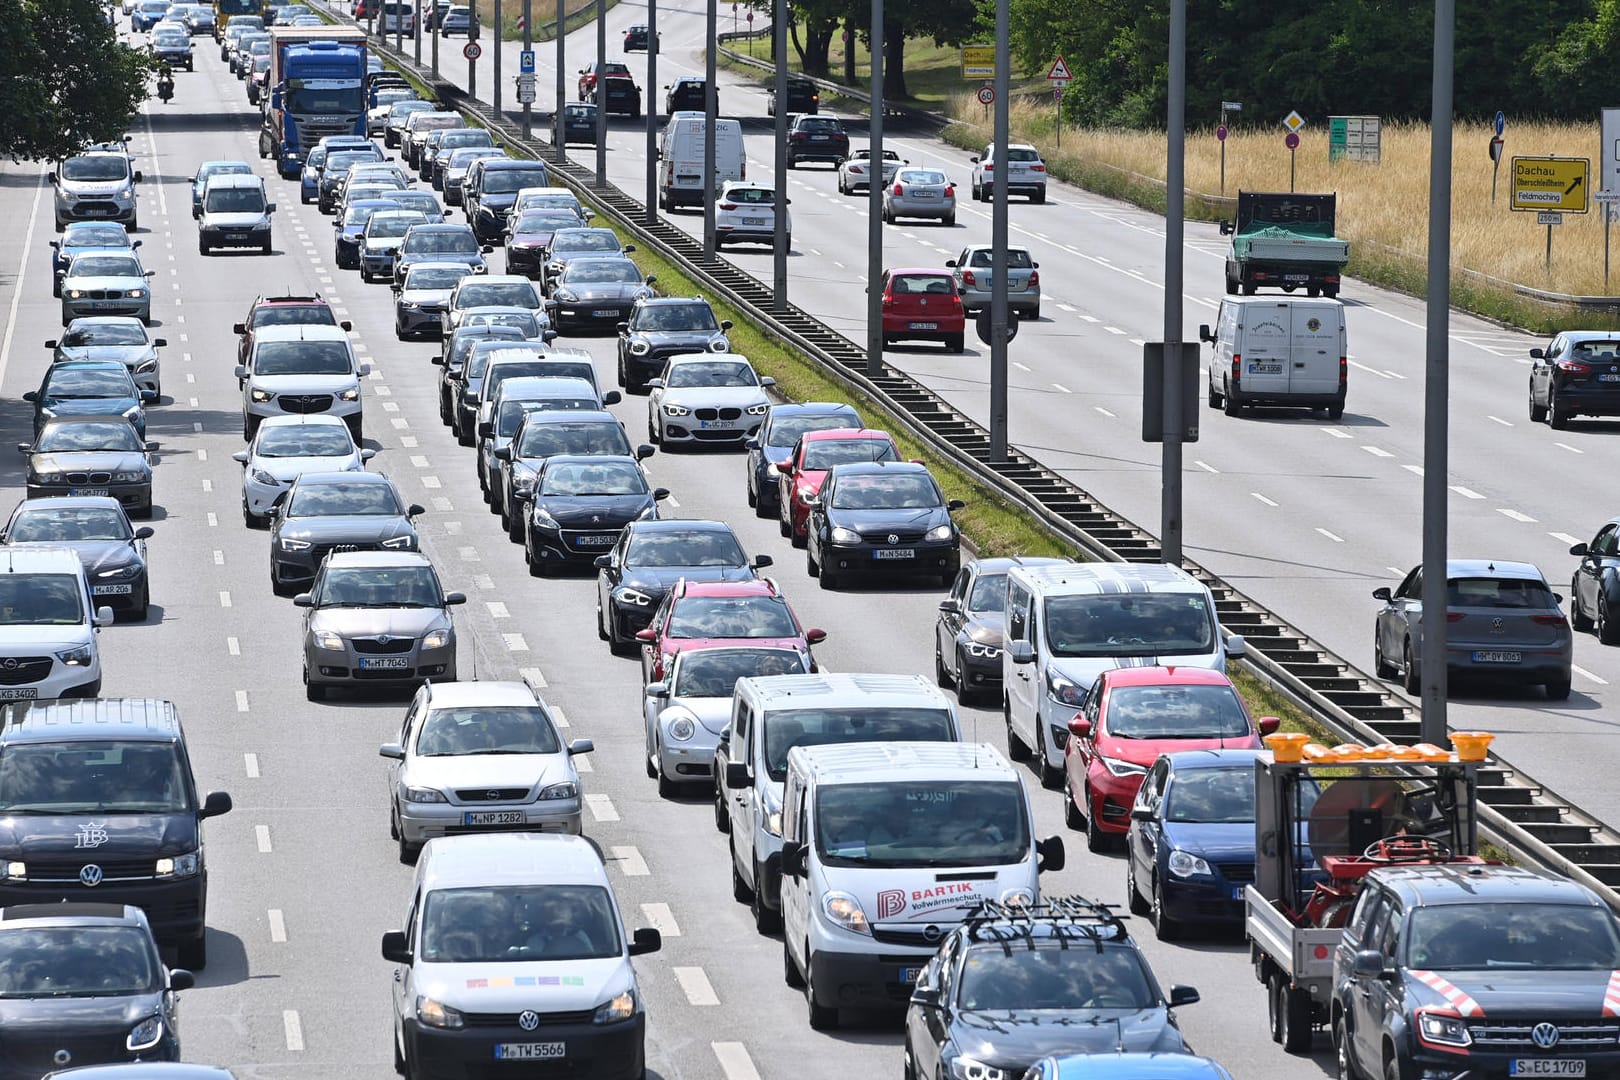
<point x="91" y="455"/>
<point x="528" y="238"/>
<point x="579" y="506"/>
<point x="971" y="630"/>
<point x="355" y="511"/>
<point x="637" y="38"/>
<point x="547" y="433"/>
<point x="660" y="327"/>
<point x="880" y="519"/>
<point x="1577" y="374"/>
<point x="97" y="530"/>
<point x="597" y="293"/>
<point x="579" y="122"/>
<point x="569" y="244"/>
<point x="650" y="557"/>
<point x="686" y="94"/>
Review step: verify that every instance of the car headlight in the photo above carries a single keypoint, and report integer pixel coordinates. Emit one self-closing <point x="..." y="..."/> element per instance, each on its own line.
<point x="401" y="543"/>
<point x="522" y="483"/>
<point x="565" y="295"/>
<point x="262" y="477"/>
<point x="410" y="305"/>
<point x="982" y="652"/>
<point x="543" y="519"/>
<point x="632" y="598"/>
<point x="676" y="410"/>
<point x="1064" y="690"/>
<point x="289" y="544"/>
<point x="939" y="532"/>
<point x="326" y="639"/>
<point x="568" y="789"/>
<point x="131" y="476"/>
<point x="351" y="394"/>
<point x="119" y="572"/>
<point x="260" y="397"/>
<point x="79" y="656"/>
<point x="47" y="478"/>
<point x="619" y="1008"/>
<point x="75" y="294"/>
<point x="13" y="871"/>
<point x="719" y="345"/>
<point x="424" y="795"/>
<point x="649" y="514"/>
<point x="681" y="729"/>
<point x="772" y="471"/>
<point x="132" y="412"/>
<point x="806" y="496"/>
<point x="135" y="294"/>
<point x="845" y="911"/>
<point x="1185" y="864"/>
<point x="437" y="1014"/>
<point x="759" y="410"/>
<point x="637" y="348"/>
<point x="841" y="535"/>
<point x="1439" y="1028"/>
<point x="146" y="367"/>
<point x="966" y="1068"/>
<point x="146" y="1034"/>
<point x="1118" y="767"/>
<point x="177" y="866"/>
<point x="436" y="639"/>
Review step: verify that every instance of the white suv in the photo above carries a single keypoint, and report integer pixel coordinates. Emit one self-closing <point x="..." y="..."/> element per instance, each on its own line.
<point x="48" y="626"/>
<point x="96" y="187"/>
<point x="1026" y="173"/>
<point x="746" y="214"/>
<point x="301" y="369"/>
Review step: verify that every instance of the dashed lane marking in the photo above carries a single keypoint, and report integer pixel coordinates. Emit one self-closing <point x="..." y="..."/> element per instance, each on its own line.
<point x="1514" y="515"/>
<point x="560" y="718"/>
<point x="1583" y="673"/>
<point x="1206" y="466"/>
<point x="1467" y="493"/>
<point x="661" y="918"/>
<point x="1566" y="446"/>
<point x="497" y="610"/>
<point x="290" y="1024"/>
<point x="241" y="701"/>
<point x="601" y="807"/>
<point x="1415" y="470"/>
<point x="1331" y="536"/>
<point x="631" y="864"/>
<point x="22" y="272"/>
<point x="1565" y="538"/>
<point x="250" y="762"/>
<point x="233" y="646"/>
<point x="735" y="1064"/>
<point x="224" y="598"/>
<point x="261" y="833"/>
<point x="1262" y="498"/>
<point x="1060" y="388"/>
<point x="278" y="926"/>
<point x="1499" y="420"/>
<point x="696" y="986"/>
<point x="530" y="675"/>
<point x="515" y="643"/>
<point x="1378" y="451"/>
<point x="1105" y="412"/>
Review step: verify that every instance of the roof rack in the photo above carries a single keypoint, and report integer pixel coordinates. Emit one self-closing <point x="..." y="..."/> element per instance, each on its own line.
<point x="1063" y="919"/>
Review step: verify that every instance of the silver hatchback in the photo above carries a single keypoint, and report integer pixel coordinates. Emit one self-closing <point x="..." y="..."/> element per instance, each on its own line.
<point x="974" y="271"/>
<point x="920" y="193"/>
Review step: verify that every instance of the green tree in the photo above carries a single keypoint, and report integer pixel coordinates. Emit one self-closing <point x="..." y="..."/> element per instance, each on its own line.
<point x="65" y="80"/>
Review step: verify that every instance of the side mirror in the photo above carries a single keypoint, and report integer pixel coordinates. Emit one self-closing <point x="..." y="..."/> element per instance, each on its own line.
<point x="767" y="381"/>
<point x="815" y="636"/>
<point x="1268" y="724"/>
<point x="1080" y="728"/>
<point x="51" y="344"/>
<point x="161" y="343"/>
<point x="1538" y="354"/>
<point x="455" y="598"/>
<point x="270" y="208"/>
<point x="414" y="509"/>
<point x="548" y="336"/>
<point x="367" y="454"/>
<point x="241" y="456"/>
<point x="104" y="616"/>
<point x="955" y="505"/>
<point x="503" y="453"/>
<point x="395" y="947"/>
<point x="645" y="451"/>
<point x="738" y="775"/>
<point x="150" y="273"/>
<point x="1579" y="549"/>
<point x="761" y="562"/>
<point x="951" y="263"/>
<point x="148" y="396"/>
<point x="488" y="249"/>
<point x="1368" y="964"/>
<point x="652" y="279"/>
<point x="346" y="325"/>
<point x="645" y="940"/>
<point x="655" y="384"/>
<point x="436" y="360"/>
<point x="486" y="428"/>
<point x="239" y="328"/>
<point x="1141" y="813"/>
<point x="725" y="324"/>
<point x="580" y="746"/>
<point x="31" y="395"/>
<point x="304" y="599"/>
<point x="391" y="750"/>
<point x="1226" y="228"/>
<point x="1382" y="593"/>
<point x="145" y="532"/>
<point x="24" y="448"/>
<point x="660" y="494"/>
<point x="795" y="859"/>
<point x="138" y="177"/>
<point x="1021" y="652"/>
<point x="364" y="369"/>
<point x="612" y="397"/>
<point x="657" y="689"/>
<point x="950" y="606"/>
<point x="1237" y="646"/>
<point x="241" y="371"/>
<point x="1049" y="854"/>
<point x="1204" y="333"/>
<point x="181" y="979"/>
<point x="51" y="176"/>
<point x="215" y="804"/>
<point x="623" y="327"/>
<point x="751" y="443"/>
<point x="925" y="997"/>
<point x="1183" y="995"/>
<point x="602" y="562"/>
<point x="647" y="636"/>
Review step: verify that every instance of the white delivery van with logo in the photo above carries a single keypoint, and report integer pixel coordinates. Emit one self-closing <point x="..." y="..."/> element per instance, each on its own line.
<point x="886" y="847"/>
<point x="1283" y="352"/>
<point x="680" y="160"/>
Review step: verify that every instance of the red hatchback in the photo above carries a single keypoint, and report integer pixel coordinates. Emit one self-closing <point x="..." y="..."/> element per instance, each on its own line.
<point x="923" y="305"/>
<point x="703" y="614"/>
<point x="800" y="479"/>
<point x="1128" y="718"/>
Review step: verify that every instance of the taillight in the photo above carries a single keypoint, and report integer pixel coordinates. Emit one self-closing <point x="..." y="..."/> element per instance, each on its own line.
<point x="1237" y="368"/>
<point x="1547" y="620"/>
<point x="1034" y="278"/>
<point x="968" y="278"/>
<point x="1455" y="616"/>
<point x="950" y="191"/>
<point x="856" y="169"/>
<point x="1037" y="168"/>
<point x="1344" y="373"/>
<point x="899" y="190"/>
<point x="987" y="166"/>
<point x="742" y="171"/>
<point x="816" y="98"/>
<point x="1573" y="367"/>
<point x="728" y="206"/>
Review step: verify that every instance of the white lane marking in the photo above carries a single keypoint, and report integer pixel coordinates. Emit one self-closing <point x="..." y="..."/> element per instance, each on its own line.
<point x="431" y="482"/>
<point x="1091" y="318"/>
<point x="1105" y="412"/>
<point x="735" y="1064"/>
<point x="560" y="718"/>
<point x="441" y="504"/>
<point x="207" y="484"/>
<point x="515" y="643"/>
<point x="672" y="502"/>
<point x="190" y="378"/>
<point x="241" y="701"/>
<point x="1583" y="673"/>
<point x="1566" y="446"/>
<point x="419" y="461"/>
<point x="380" y="391"/>
<point x="250" y="762"/>
<point x="390" y="406"/>
<point x="1378" y="451"/>
<point x="1514" y="514"/>
<point x="1262" y="498"/>
<point x="1061" y="388"/>
<point x="483" y="581"/>
<point x="1415" y="470"/>
<point x="696" y="986"/>
<point x="224" y="598"/>
<point x="1368" y="370"/>
<point x="631" y="864"/>
<point x="233" y="646"/>
<point x="453" y="528"/>
<point x="1338" y="433"/>
<point x="533" y="677"/>
<point x="1331" y="536"/>
<point x="1206" y="466"/>
<point x="468" y="554"/>
<point x="400" y="423"/>
<point x="1499" y="420"/>
<point x="219" y="558"/>
<point x="1564" y="538"/>
<point x="261" y="833"/>
<point x="278" y="926"/>
<point x="1138" y="342"/>
<point x="408" y="442"/>
<point x="582" y="765"/>
<point x="163" y="201"/>
<point x="196" y="426"/>
<point x="497" y="610"/>
<point x="22" y="272"/>
<point x="1020" y="367"/>
<point x="289" y="1018"/>
<point x="660" y="918"/>
<point x="202" y="455"/>
<point x="1393" y="374"/>
<point x="601" y="807"/>
<point x="1467" y="493"/>
<point x="192" y="402"/>
<point x="1114" y="330"/>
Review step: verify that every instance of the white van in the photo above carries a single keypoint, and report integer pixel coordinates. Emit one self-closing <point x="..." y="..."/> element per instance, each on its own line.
<point x="680" y="160"/>
<point x="1066" y="624"/>
<point x="886" y="848"/>
<point x="1270" y="351"/>
<point x="398" y="17"/>
<point x="772" y="714"/>
<point x="48" y="626"/>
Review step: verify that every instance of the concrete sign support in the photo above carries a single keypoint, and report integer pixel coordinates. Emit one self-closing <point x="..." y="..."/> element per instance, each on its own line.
<point x="495" y="57"/>
<point x="779" y="266"/>
<point x="601" y="90"/>
<point x="1174" y="398"/>
<point x="711" y="113"/>
<point x="1000" y="315"/>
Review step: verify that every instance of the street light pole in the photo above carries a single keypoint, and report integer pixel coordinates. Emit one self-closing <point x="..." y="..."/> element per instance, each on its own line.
<point x="1170" y="524"/>
<point x="500" y="33"/>
<point x="998" y="243"/>
<point x="874" y="203"/>
<point x="559" y="143"/>
<point x="1437" y="389"/>
<point x="779" y="268"/>
<point x="653" y="164"/>
<point x="711" y="112"/>
<point x="601" y="91"/>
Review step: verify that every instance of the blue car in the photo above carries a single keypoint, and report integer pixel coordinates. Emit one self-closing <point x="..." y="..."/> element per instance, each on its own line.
<point x="81" y="236"/>
<point x="347" y="233"/>
<point x="774" y="445"/>
<point x="1189" y="850"/>
<point x="89" y="388"/>
<point x="1128" y="1067"/>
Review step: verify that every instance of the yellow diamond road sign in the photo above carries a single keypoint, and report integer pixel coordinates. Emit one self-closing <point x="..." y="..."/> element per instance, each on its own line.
<point x="1293" y="121"/>
<point x="1551" y="183"/>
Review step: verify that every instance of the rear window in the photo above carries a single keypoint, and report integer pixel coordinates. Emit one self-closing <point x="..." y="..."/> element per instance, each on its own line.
<point x="1022" y="155"/>
<point x="1498" y="593"/>
<point x="293" y="315"/>
<point x="918" y="284"/>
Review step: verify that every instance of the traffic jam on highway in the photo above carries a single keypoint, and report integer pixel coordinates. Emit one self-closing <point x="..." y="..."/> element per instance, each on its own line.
<point x="928" y="917"/>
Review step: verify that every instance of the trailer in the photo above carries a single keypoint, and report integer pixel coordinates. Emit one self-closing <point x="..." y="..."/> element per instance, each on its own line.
<point x="1284" y="240"/>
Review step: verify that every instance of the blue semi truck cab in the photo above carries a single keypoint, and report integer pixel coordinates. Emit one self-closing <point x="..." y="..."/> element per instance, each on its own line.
<point x="317" y="84"/>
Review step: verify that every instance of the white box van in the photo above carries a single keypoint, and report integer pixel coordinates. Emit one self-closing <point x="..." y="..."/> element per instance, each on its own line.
<point x="1278" y="352"/>
<point x="680" y="160"/>
<point x="48" y="626"/>
<point x="887" y="847"/>
<point x="1067" y="624"/>
<point x="772" y="714"/>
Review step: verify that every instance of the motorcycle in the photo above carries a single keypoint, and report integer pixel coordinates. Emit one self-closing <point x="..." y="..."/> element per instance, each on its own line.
<point x="165" y="90"/>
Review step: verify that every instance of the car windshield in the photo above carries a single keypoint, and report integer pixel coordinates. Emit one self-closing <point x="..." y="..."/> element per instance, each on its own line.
<point x="920" y="176"/>
<point x="94" y="236"/>
<point x="92" y="777"/>
<point x="788" y="728"/>
<point x="436" y="277"/>
<point x="1483" y="936"/>
<point x="879" y="492"/>
<point x="694" y="547"/>
<point x="506" y="181"/>
<point x="78" y="523"/>
<point x="580" y="112"/>
<point x="989" y="593"/>
<point x="601" y="272"/>
<point x="1499" y="593"/>
<point x="388" y="97"/>
<point x="922" y="823"/>
<point x="1176" y="712"/>
<point x="667" y="318"/>
<point x="711" y="373"/>
<point x="819" y="455"/>
<point x="343" y="499"/>
<point x="293" y="315"/>
<point x="597" y="478"/>
<point x="379" y="587"/>
<point x="1211" y="796"/>
<point x="96" y="167"/>
<point x="302" y="358"/>
<point x="519" y="924"/>
<point x="449" y="241"/>
<point x="731" y="617"/>
<point x="229" y="168"/>
<point x="706" y="673"/>
<point x="77" y="961"/>
<point x="511" y="415"/>
<point x="305" y="440"/>
<point x="487" y="729"/>
<point x="519" y="294"/>
<point x="585" y="240"/>
<point x="88" y="436"/>
<point x="1052" y="976"/>
<point x="234" y="200"/>
<point x="545" y="440"/>
<point x="105" y="333"/>
<point x="552" y="201"/>
<point x="391" y="224"/>
<point x="785" y="430"/>
<point x="1138" y="624"/>
<point x="309" y="96"/>
<point x="524" y="322"/>
<point x="67" y="384"/>
<point x="359" y="215"/>
<point x="258" y="49"/>
<point x="125" y="266"/>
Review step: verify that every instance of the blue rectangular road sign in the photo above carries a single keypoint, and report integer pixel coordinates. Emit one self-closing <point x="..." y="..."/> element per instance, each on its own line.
<point x="526" y="62"/>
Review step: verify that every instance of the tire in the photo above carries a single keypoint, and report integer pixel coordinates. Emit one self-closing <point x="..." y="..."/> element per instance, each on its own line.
<point x="783" y="525"/>
<point x="1336" y="410"/>
<point x="766" y="921"/>
<point x="1556" y="419"/>
<point x="1382" y="668"/>
<point x="1558" y="691"/>
<point x="138" y="612"/>
<point x="790" y="970"/>
<point x="667" y="788"/>
<point x="1072" y="817"/>
<point x="1294" y="1016"/>
<point x="1133" y="895"/>
<point x="1039" y="197"/>
<point x="722" y="820"/>
<point x="1212" y="396"/>
<point x="1229" y="404"/>
<point x="399" y="1058"/>
<point x="954" y="343"/>
<point x="1051" y="778"/>
<point x="810" y="566"/>
<point x="821" y="1017"/>
<point x="1538" y="413"/>
<point x="313" y="691"/>
<point x="942" y="678"/>
<point x="202" y="246"/>
<point x="1097" y="841"/>
<point x="1164" y="927"/>
<point x="1412" y="678"/>
<point x="1608" y="630"/>
<point x="408" y="852"/>
<point x="514" y="526"/>
<point x="740" y="891"/>
<point x="193" y="954"/>
<point x="1034" y="313"/>
<point x="1578" y="619"/>
<point x="950" y="221"/>
<point x="1016" y="750"/>
<point x="827" y="579"/>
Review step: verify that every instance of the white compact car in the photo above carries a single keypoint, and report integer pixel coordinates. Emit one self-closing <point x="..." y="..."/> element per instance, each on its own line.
<point x="707" y="398"/>
<point x="284" y="448"/>
<point x="746" y="214"/>
<point x="301" y="369"/>
<point x="48" y="626"/>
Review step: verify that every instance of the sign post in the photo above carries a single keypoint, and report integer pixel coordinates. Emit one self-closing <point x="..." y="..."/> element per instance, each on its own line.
<point x="1293" y="122"/>
<point x="525" y="94"/>
<point x="1608" y="191"/>
<point x="1222" y="131"/>
<point x="1550" y="187"/>
<point x="1496" y="151"/>
<point x="1058" y="75"/>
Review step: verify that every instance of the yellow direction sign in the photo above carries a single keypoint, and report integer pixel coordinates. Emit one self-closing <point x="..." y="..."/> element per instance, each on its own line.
<point x="1551" y="183"/>
<point x="978" y="61"/>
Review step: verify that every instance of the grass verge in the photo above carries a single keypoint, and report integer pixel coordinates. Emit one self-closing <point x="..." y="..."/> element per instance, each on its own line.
<point x="933" y="72"/>
<point x="543" y="13"/>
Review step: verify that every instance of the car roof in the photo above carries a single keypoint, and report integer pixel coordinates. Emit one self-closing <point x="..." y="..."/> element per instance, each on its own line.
<point x="86" y="365"/>
<point x="300" y="332"/>
<point x="1522" y="571"/>
<point x="501" y="279"/>
<point x="69" y="502"/>
<point x="441" y="226"/>
<point x="235" y="180"/>
<point x="511" y="163"/>
<point x="355" y="477"/>
<point x="90" y="718"/>
<point x="679" y="525"/>
<point x="88" y="418"/>
<point x="570" y="416"/>
<point x="1139" y="1066"/>
<point x="357" y="559"/>
<point x="480" y="692"/>
<point x="866" y="688"/>
<point x="38" y="560"/>
<point x="700" y="357"/>
<point x="534" y="387"/>
<point x="1577" y="336"/>
<point x="303" y="420"/>
<point x="289" y="298"/>
<point x="814" y="408"/>
<point x="835" y="434"/>
<point x="838" y="763"/>
<point x="877" y="468"/>
<point x="512" y="859"/>
<point x="1180" y="675"/>
<point x="1000" y="564"/>
<point x="756" y="587"/>
<point x="1436" y="885"/>
<point x="1097" y="577"/>
<point x="924" y="271"/>
<point x="457" y="267"/>
<point x="145" y="1070"/>
<point x="1226" y="758"/>
<point x="105" y="320"/>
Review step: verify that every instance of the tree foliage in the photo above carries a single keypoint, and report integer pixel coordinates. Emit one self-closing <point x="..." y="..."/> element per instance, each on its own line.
<point x="65" y="79"/>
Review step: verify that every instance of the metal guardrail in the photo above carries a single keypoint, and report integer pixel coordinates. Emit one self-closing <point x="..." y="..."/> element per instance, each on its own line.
<point x="1526" y="816"/>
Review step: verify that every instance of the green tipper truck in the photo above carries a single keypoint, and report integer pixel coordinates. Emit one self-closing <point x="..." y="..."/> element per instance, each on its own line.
<point x="1284" y="240"/>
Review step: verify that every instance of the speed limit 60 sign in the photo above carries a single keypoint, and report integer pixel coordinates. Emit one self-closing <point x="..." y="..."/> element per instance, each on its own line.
<point x="472" y="50"/>
<point x="987" y="94"/>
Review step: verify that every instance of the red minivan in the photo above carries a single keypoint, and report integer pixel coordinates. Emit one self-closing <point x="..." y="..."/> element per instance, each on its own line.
<point x="923" y="305"/>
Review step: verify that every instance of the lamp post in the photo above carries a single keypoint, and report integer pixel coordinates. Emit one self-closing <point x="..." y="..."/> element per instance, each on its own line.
<point x="1170" y="501"/>
<point x="711" y="110"/>
<point x="562" y="84"/>
<point x="779" y="271"/>
<point x="874" y="204"/>
<point x="651" y="103"/>
<point x="601" y="92"/>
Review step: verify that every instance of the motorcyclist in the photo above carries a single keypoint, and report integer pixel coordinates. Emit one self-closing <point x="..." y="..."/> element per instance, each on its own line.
<point x="165" y="81"/>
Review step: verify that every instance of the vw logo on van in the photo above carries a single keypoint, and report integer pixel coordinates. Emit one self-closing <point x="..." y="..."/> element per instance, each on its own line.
<point x="528" y="1020"/>
<point x="1544" y="1035"/>
<point x="90" y="875"/>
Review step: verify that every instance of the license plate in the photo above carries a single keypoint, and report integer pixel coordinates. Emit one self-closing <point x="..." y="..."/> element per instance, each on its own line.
<point x="717" y="425"/>
<point x="1237" y="892"/>
<point x="551" y="1051"/>
<point x="894" y="553"/>
<point x="1609" y="378"/>
<point x="922" y="326"/>
<point x="753" y="221"/>
<point x="383" y="663"/>
<point x="923" y="194"/>
<point x="909" y="976"/>
<point x="87" y="491"/>
<point x="18" y="693"/>
<point x="1497" y="657"/>
<point x="111" y="590"/>
<point x="97" y="211"/>
<point x="606" y="313"/>
<point x="602" y="540"/>
<point x="236" y="236"/>
<point x="492" y="817"/>
<point x="1546" y="1067"/>
<point x="1265" y="369"/>
<point x="820" y="138"/>
<point x="1296" y="277"/>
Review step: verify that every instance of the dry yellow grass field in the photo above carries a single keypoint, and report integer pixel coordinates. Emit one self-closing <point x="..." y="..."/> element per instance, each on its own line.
<point x="1385" y="204"/>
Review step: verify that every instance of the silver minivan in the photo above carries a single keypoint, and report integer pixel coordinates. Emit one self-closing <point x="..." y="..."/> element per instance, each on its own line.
<point x="235" y="213"/>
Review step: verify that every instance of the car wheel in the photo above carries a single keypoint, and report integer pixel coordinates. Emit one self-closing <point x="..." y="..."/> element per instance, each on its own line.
<point x="950" y="221"/>
<point x="1381" y="667"/>
<point x="766" y="921"/>
<point x="399" y="1057"/>
<point x="1039" y="196"/>
<point x="1412" y="681"/>
<point x="790" y="970"/>
<point x="514" y="524"/>
<point x="822" y="1018"/>
<point x="202" y="246"/>
<point x="941" y="676"/>
<point x="313" y="691"/>
<point x="653" y="434"/>
<point x="740" y="891"/>
<point x="1336" y="410"/>
<point x="955" y="342"/>
<point x="722" y="819"/>
<point x="1578" y="619"/>
<point x="1212" y="396"/>
<point x="1229" y="404"/>
<point x="1293" y="1019"/>
<point x="667" y="788"/>
<point x="1557" y="419"/>
<point x="1164" y="927"/>
<point x="1133" y="895"/>
<point x="1097" y="841"/>
<point x="1051" y="777"/>
<point x="1558" y="691"/>
<point x="1608" y="629"/>
<point x="1016" y="750"/>
<point x="1538" y="413"/>
<point x="193" y="954"/>
<point x="408" y="852"/>
<point x="138" y="612"/>
<point x="810" y="566"/>
<point x="1072" y="817"/>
